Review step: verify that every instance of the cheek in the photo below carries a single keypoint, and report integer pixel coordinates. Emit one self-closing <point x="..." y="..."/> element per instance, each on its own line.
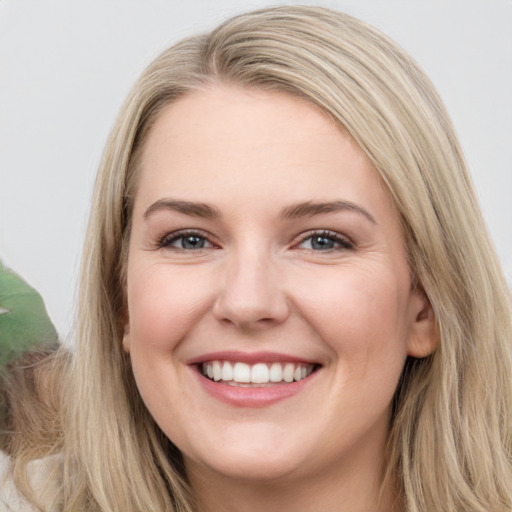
<point x="360" y="313"/>
<point x="163" y="306"/>
<point x="163" y="309"/>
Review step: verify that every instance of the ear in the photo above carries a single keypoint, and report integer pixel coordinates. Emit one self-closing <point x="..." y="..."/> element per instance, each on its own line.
<point x="423" y="333"/>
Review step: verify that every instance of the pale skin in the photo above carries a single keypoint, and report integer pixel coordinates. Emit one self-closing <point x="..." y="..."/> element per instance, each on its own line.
<point x="227" y="253"/>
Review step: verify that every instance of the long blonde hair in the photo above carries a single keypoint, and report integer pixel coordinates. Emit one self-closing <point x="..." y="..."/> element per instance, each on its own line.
<point x="450" y="438"/>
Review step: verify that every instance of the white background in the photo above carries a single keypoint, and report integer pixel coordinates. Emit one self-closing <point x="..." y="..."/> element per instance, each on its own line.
<point x="66" y="66"/>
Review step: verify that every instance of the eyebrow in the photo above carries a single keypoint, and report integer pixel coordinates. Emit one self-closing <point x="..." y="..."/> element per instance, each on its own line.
<point x="295" y="211"/>
<point x="194" y="209"/>
<point x="309" y="209"/>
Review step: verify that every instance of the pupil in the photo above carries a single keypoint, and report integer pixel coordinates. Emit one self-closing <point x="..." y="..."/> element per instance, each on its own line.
<point x="322" y="243"/>
<point x="192" y="242"/>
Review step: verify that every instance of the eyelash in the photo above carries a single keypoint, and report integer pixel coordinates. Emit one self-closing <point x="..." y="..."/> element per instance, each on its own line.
<point x="343" y="242"/>
<point x="168" y="239"/>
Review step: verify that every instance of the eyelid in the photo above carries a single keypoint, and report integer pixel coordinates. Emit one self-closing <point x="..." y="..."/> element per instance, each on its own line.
<point x="345" y="243"/>
<point x="165" y="241"/>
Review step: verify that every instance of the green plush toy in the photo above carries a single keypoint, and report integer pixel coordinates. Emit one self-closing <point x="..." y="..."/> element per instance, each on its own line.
<point x="24" y="322"/>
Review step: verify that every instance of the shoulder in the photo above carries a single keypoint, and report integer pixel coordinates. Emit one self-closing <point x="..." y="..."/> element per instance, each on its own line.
<point x="42" y="475"/>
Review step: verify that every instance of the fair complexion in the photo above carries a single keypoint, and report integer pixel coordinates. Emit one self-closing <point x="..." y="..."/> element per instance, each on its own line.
<point x="263" y="236"/>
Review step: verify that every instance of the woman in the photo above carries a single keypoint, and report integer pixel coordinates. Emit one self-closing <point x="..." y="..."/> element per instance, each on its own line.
<point x="289" y="299"/>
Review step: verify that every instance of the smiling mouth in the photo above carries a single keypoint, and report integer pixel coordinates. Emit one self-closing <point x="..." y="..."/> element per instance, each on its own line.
<point x="255" y="375"/>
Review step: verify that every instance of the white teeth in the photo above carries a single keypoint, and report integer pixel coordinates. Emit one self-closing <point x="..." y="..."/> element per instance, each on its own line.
<point x="227" y="371"/>
<point x="217" y="372"/>
<point x="242" y="372"/>
<point x="260" y="373"/>
<point x="288" y="371"/>
<point x="255" y="375"/>
<point x="276" y="372"/>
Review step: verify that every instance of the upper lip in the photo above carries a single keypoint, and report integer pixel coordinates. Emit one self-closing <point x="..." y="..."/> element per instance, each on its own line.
<point x="249" y="357"/>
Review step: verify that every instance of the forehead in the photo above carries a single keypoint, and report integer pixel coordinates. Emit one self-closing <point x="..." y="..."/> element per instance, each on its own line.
<point x="222" y="124"/>
<point x="235" y="116"/>
<point x="231" y="142"/>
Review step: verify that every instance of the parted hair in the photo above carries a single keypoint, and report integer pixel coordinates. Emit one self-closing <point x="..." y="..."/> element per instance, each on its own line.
<point x="450" y="436"/>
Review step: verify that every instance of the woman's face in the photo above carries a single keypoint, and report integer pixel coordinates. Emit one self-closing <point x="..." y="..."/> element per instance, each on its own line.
<point x="270" y="308"/>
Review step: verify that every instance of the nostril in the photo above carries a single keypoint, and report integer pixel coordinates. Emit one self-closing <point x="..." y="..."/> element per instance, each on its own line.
<point x="250" y="295"/>
<point x="250" y="315"/>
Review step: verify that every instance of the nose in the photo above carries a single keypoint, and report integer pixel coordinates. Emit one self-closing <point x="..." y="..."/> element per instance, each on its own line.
<point x="251" y="295"/>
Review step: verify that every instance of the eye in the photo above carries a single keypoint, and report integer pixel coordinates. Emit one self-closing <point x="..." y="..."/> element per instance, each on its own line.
<point x="325" y="241"/>
<point x="185" y="241"/>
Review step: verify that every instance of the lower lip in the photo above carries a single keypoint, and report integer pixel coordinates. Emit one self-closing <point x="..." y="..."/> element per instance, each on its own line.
<point x="239" y="396"/>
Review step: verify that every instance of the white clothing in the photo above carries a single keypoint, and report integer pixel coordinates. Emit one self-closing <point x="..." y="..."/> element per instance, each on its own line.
<point x="38" y="472"/>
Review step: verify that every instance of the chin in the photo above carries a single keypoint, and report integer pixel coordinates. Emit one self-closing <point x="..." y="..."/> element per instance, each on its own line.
<point x="259" y="460"/>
